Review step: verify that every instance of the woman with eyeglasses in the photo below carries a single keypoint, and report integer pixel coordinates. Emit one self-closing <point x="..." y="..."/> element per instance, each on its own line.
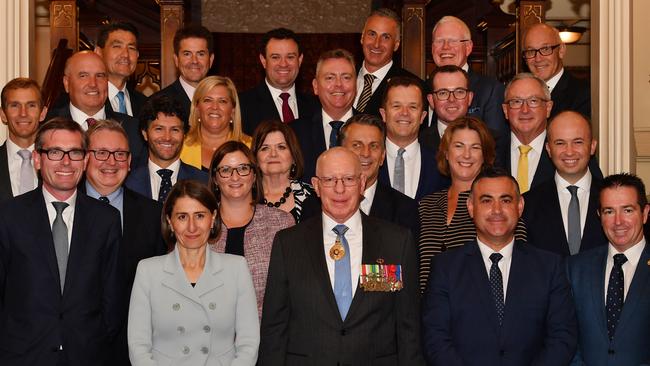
<point x="247" y="228"/>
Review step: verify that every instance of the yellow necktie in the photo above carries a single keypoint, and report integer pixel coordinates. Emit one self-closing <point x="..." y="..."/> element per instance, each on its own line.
<point x="522" y="168"/>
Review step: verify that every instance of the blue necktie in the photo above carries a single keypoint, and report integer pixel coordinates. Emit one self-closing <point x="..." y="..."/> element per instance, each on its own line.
<point x="334" y="134"/>
<point x="165" y="184"/>
<point x="496" y="284"/>
<point x="342" y="280"/>
<point x="615" y="292"/>
<point x="120" y="100"/>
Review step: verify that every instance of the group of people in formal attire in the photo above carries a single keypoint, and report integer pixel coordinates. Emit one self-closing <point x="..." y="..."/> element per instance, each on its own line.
<point x="387" y="220"/>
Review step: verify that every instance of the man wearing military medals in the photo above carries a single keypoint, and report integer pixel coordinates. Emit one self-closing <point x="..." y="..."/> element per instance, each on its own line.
<point x="342" y="286"/>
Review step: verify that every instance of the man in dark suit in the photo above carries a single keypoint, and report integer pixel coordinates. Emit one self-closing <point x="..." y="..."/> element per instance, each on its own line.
<point x="496" y="301"/>
<point x="86" y="81"/>
<point x="320" y="307"/>
<point x="611" y="284"/>
<point x="108" y="165"/>
<point x="561" y="213"/>
<point x="543" y="51"/>
<point x="117" y="44"/>
<point x="409" y="167"/>
<point x="22" y="110"/>
<point x="161" y="122"/>
<point x="334" y="84"/>
<point x="365" y="135"/>
<point x="380" y="39"/>
<point x="60" y="278"/>
<point x="193" y="57"/>
<point x="277" y="98"/>
<point x="451" y="45"/>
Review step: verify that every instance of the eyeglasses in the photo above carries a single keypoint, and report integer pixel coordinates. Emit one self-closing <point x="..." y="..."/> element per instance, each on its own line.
<point x="227" y="171"/>
<point x="348" y="181"/>
<point x="439" y="42"/>
<point x="544" y="51"/>
<point x="443" y="94"/>
<point x="103" y="155"/>
<point x="532" y="102"/>
<point x="58" y="154"/>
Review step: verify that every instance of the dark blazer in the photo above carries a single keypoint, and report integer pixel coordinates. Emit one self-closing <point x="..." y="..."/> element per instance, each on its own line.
<point x="430" y="179"/>
<point x="140" y="181"/>
<point x="257" y="105"/>
<point x="460" y="322"/>
<point x="35" y="318"/>
<point x="571" y="94"/>
<point x="392" y="205"/>
<point x="175" y="91"/>
<point x="544" y="223"/>
<point x="5" y="181"/>
<point x="137" y="100"/>
<point x="375" y="100"/>
<point x="631" y="342"/>
<point x="301" y="324"/>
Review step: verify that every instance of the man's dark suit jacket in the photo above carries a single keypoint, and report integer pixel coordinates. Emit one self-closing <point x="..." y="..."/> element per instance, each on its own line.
<point x="392" y="205"/>
<point x="131" y="126"/>
<point x="140" y="181"/>
<point x="631" y="342"/>
<point x="137" y="100"/>
<point x="544" y="225"/>
<point x="5" y="181"/>
<point x="571" y="94"/>
<point x="430" y="178"/>
<point x="175" y="91"/>
<point x="301" y="324"/>
<point x="257" y="105"/>
<point x="460" y="325"/>
<point x="375" y="100"/>
<point x="35" y="318"/>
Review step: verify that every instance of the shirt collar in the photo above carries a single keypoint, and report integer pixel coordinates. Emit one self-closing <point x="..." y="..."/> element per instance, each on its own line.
<point x="92" y="192"/>
<point x="465" y="67"/>
<point x="327" y="119"/>
<point x="189" y="89"/>
<point x="353" y="222"/>
<point x="441" y="127"/>
<point x="12" y="149"/>
<point x="113" y="90"/>
<point x="49" y="198"/>
<point x="368" y="197"/>
<point x="380" y="74"/>
<point x="506" y="251"/>
<point x="174" y="167"/>
<point x="633" y="254"/>
<point x="275" y="92"/>
<point x="583" y="183"/>
<point x="411" y="149"/>
<point x="552" y="82"/>
<point x="81" y="117"/>
<point x="537" y="144"/>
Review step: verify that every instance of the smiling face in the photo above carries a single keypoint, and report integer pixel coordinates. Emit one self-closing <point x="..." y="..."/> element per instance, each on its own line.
<point x="164" y="137"/>
<point x="86" y="80"/>
<point x="368" y="144"/>
<point x="22" y="113"/>
<point x="465" y="155"/>
<point x="542" y="35"/>
<point x="281" y="62"/>
<point x="120" y="54"/>
<point x="403" y="114"/>
<point x="193" y="60"/>
<point x="274" y="156"/>
<point x="570" y="145"/>
<point x="452" y="108"/>
<point x="191" y="222"/>
<point x="379" y="41"/>
<point x="446" y="48"/>
<point x="216" y="110"/>
<point x="235" y="187"/>
<point x="107" y="176"/>
<point x="526" y="122"/>
<point x="621" y="216"/>
<point x="336" y="86"/>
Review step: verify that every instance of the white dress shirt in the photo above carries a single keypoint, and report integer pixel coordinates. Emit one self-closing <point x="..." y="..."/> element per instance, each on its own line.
<point x="584" y="186"/>
<point x="379" y="76"/>
<point x="293" y="103"/>
<point x="327" y="129"/>
<point x="189" y="89"/>
<point x="67" y="214"/>
<point x="14" y="162"/>
<point x="633" y="255"/>
<point x="354" y="236"/>
<point x="412" y="165"/>
<point x="504" y="263"/>
<point x="155" y="178"/>
<point x="115" y="102"/>
<point x="442" y="127"/>
<point x="534" y="154"/>
<point x="81" y="117"/>
<point x="552" y="82"/>
<point x="368" y="198"/>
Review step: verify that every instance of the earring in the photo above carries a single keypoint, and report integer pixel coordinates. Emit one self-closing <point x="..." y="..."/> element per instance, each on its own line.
<point x="231" y="121"/>
<point x="292" y="171"/>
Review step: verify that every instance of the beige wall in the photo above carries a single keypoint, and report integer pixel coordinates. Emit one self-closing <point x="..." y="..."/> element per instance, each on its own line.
<point x="641" y="86"/>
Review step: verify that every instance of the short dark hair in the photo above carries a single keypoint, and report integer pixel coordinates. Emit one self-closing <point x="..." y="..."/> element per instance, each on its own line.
<point x="59" y="123"/>
<point x="365" y="120"/>
<point x="466" y="123"/>
<point x="265" y="128"/>
<point x="404" y="81"/>
<point x="227" y="148"/>
<point x="21" y="83"/>
<point x="447" y="69"/>
<point x="625" y="180"/>
<point x="191" y="189"/>
<point x="111" y="27"/>
<point x="495" y="172"/>
<point x="164" y="104"/>
<point x="279" y="33"/>
<point x="193" y="31"/>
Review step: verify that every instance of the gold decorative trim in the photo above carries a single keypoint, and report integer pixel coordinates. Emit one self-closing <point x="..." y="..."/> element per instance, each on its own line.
<point x="63" y="16"/>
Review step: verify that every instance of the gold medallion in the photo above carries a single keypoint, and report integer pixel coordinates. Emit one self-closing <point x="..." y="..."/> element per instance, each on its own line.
<point x="337" y="251"/>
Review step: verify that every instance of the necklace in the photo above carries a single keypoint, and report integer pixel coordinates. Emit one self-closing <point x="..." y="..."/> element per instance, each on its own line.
<point x="282" y="200"/>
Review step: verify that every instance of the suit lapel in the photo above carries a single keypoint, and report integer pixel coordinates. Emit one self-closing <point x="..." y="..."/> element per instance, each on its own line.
<point x="544" y="171"/>
<point x="370" y="252"/>
<point x="210" y="278"/>
<point x="5" y="181"/>
<point x="175" y="278"/>
<point x="480" y="278"/>
<point x="381" y="203"/>
<point x="317" y="258"/>
<point x="141" y="179"/>
<point x="318" y="133"/>
<point x="597" y="279"/>
<point x="593" y="233"/>
<point x="82" y="223"/>
<point x="266" y="99"/>
<point x="44" y="232"/>
<point x="556" y="227"/>
<point x="638" y="291"/>
<point x="516" y="287"/>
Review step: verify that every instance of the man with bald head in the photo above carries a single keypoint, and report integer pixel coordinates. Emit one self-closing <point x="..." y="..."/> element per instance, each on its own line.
<point x="543" y="51"/>
<point x="85" y="79"/>
<point x="324" y="304"/>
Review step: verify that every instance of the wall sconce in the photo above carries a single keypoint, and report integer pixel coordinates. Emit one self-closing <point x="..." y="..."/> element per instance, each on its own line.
<point x="570" y="35"/>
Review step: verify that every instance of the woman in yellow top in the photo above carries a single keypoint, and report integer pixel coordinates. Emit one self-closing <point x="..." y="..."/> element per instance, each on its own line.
<point x="214" y="119"/>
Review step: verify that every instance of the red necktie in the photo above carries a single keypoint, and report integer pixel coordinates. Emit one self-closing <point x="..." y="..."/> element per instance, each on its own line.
<point x="287" y="113"/>
<point x="91" y="122"/>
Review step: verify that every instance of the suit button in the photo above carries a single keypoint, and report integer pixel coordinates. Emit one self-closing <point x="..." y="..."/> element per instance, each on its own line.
<point x="206" y="329"/>
<point x="204" y="350"/>
<point x="611" y="351"/>
<point x="181" y="329"/>
<point x="176" y="307"/>
<point x="186" y="349"/>
<point x="212" y="306"/>
<point x="343" y="332"/>
<point x="502" y="352"/>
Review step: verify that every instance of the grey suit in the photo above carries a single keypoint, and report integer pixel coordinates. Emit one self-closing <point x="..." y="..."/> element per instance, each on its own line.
<point x="214" y="323"/>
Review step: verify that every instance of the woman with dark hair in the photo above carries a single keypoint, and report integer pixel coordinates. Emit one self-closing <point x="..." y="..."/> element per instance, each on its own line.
<point x="192" y="305"/>
<point x="280" y="160"/>
<point x="247" y="228"/>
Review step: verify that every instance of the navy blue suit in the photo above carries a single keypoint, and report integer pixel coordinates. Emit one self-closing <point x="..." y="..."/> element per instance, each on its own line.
<point x="140" y="181"/>
<point x="175" y="91"/>
<point x="631" y="342"/>
<point x="5" y="181"/>
<point x="571" y="94"/>
<point x="460" y="325"/>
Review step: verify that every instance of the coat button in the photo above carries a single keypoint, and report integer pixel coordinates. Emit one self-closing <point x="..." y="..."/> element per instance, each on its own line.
<point x="176" y="307"/>
<point x="206" y="329"/>
<point x="181" y="329"/>
<point x="204" y="350"/>
<point x="212" y="306"/>
<point x="186" y="349"/>
<point x="343" y="332"/>
<point x="611" y="351"/>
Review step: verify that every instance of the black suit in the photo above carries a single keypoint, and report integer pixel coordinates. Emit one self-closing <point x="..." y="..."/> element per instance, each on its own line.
<point x="301" y="324"/>
<point x="257" y="105"/>
<point x="375" y="100"/>
<point x="571" y="94"/>
<point x="35" y="317"/>
<point x="139" y="179"/>
<point x="5" y="181"/>
<point x="392" y="205"/>
<point x="544" y="223"/>
<point x="175" y="91"/>
<point x="137" y="100"/>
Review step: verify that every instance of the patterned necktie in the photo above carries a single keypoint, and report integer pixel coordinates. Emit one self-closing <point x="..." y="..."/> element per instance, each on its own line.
<point x="574" y="232"/>
<point x="60" y="238"/>
<point x="615" y="291"/>
<point x="496" y="285"/>
<point x="165" y="184"/>
<point x="104" y="199"/>
<point x="90" y="122"/>
<point x="366" y="93"/>
<point x="398" y="171"/>
<point x="522" y="168"/>
<point x="287" y="113"/>
<point x="120" y="102"/>
<point x="342" y="279"/>
<point x="26" y="171"/>
<point x="334" y="134"/>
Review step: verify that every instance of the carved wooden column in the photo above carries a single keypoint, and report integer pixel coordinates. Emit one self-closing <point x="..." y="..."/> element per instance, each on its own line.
<point x="413" y="28"/>
<point x="171" y="20"/>
<point x="63" y="23"/>
<point x="529" y="12"/>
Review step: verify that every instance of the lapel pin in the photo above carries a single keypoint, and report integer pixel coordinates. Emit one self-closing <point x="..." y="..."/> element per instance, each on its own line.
<point x="649" y="262"/>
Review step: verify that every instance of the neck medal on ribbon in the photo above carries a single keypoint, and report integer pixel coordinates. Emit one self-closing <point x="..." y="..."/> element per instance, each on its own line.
<point x="337" y="251"/>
